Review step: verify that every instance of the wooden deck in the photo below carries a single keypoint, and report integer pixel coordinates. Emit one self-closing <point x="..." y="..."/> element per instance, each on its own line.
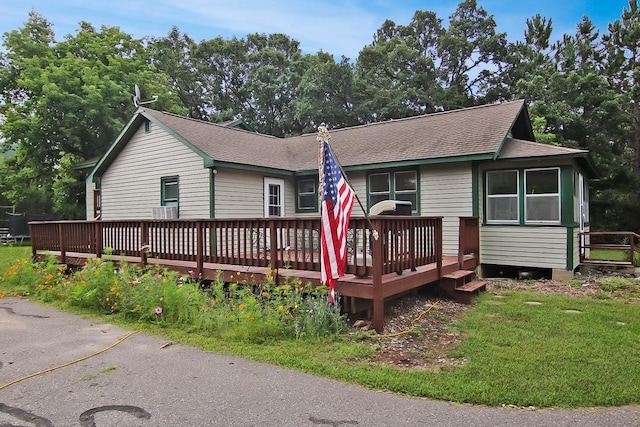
<point x="407" y="256"/>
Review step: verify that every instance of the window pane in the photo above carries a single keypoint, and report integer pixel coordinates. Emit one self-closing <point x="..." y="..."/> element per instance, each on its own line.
<point x="502" y="182"/>
<point x="373" y="199"/>
<point x="542" y="181"/>
<point x="379" y="183"/>
<point x="306" y="186"/>
<point x="307" y="201"/>
<point x="171" y="190"/>
<point x="543" y="208"/>
<point x="406" y="181"/>
<point x="502" y="208"/>
<point x="274" y="210"/>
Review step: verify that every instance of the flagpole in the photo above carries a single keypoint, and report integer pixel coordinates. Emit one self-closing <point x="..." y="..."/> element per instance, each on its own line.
<point x="323" y="135"/>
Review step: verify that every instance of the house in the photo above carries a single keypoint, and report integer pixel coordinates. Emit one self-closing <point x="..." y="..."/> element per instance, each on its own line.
<point x="531" y="198"/>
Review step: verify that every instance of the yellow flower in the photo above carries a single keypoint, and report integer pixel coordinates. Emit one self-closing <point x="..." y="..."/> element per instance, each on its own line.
<point x="265" y="294"/>
<point x="252" y="318"/>
<point x="112" y="289"/>
<point x="116" y="282"/>
<point x="241" y="307"/>
<point x="280" y="308"/>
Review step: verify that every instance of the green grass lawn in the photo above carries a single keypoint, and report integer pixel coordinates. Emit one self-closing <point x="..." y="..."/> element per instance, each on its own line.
<point x="10" y="253"/>
<point x="614" y="255"/>
<point x="519" y="348"/>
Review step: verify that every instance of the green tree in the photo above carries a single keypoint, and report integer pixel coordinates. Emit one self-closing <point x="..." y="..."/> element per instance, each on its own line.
<point x="396" y="76"/>
<point x="325" y="93"/>
<point x="472" y="57"/>
<point x="622" y="68"/>
<point x="65" y="102"/>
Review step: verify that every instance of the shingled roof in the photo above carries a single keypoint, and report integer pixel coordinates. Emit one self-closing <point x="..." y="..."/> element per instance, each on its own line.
<point x="479" y="133"/>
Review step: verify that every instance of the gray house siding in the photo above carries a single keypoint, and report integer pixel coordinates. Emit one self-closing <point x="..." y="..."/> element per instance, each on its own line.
<point x="131" y="186"/>
<point x="445" y="190"/>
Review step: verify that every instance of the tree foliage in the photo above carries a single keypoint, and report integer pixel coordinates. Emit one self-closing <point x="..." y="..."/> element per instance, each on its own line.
<point x="63" y="103"/>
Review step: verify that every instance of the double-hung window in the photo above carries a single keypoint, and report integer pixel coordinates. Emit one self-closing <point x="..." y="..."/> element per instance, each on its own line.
<point x="542" y="195"/>
<point x="503" y="196"/>
<point x="307" y="193"/>
<point x="169" y="191"/>
<point x="401" y="185"/>
<point x="538" y="196"/>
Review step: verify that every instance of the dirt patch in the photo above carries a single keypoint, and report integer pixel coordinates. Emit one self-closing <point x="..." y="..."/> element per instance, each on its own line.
<point x="420" y="332"/>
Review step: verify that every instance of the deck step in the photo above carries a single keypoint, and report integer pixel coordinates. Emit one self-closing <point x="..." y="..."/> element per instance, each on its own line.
<point x="464" y="293"/>
<point x="459" y="274"/>
<point x="476" y="285"/>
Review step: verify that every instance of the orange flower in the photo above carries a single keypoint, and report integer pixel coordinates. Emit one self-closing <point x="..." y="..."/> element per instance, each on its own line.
<point x="241" y="307"/>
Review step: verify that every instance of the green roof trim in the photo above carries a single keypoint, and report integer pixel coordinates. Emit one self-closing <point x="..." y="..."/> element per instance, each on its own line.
<point x="251" y="168"/>
<point x="406" y="163"/>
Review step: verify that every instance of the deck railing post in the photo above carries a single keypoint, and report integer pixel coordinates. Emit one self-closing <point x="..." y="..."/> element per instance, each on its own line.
<point x="377" y="261"/>
<point x="273" y="244"/>
<point x="34" y="248"/>
<point x="199" y="248"/>
<point x="439" y="246"/>
<point x="97" y="238"/>
<point x="144" y="242"/>
<point x="63" y="243"/>
<point x="462" y="230"/>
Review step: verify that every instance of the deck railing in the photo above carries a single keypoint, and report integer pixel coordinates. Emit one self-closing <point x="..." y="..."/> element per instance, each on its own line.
<point x="610" y="244"/>
<point x="468" y="238"/>
<point x="404" y="242"/>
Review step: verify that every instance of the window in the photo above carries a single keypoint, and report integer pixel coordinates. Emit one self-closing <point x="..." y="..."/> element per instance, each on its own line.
<point x="401" y="185"/>
<point x="169" y="191"/>
<point x="307" y="195"/>
<point x="502" y="196"/>
<point x="273" y="197"/>
<point x="542" y="195"/>
<point x="147" y="126"/>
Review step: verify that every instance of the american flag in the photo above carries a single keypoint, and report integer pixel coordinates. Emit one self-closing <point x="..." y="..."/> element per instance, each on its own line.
<point x="336" y="204"/>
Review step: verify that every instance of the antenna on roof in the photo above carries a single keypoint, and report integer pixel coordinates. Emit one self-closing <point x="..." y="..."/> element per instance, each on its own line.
<point x="137" y="97"/>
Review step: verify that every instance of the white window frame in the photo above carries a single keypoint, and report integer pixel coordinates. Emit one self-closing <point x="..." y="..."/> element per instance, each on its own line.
<point x="533" y="196"/>
<point x="503" y="196"/>
<point x="268" y="182"/>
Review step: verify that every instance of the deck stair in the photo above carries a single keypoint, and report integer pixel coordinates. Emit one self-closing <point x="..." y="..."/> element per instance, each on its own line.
<point x="461" y="285"/>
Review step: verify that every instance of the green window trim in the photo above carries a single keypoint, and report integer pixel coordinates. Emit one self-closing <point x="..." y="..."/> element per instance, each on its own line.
<point x="307" y="194"/>
<point x="564" y="193"/>
<point x="397" y="184"/>
<point x="169" y="191"/>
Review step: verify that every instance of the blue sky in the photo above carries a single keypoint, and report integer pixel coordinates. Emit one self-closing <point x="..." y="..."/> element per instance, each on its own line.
<point x="339" y="27"/>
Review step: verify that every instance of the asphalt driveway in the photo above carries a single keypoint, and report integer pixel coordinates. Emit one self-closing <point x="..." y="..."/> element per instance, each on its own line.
<point x="142" y="381"/>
